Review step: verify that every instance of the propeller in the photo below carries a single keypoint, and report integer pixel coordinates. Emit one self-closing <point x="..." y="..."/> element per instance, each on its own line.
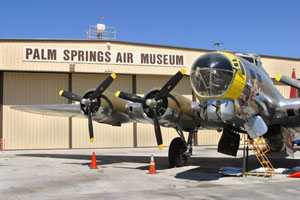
<point x="151" y="103"/>
<point x="88" y="101"/>
<point x="70" y="96"/>
<point x="130" y="97"/>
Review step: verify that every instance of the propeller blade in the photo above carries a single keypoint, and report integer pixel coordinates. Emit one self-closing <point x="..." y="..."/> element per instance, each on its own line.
<point x="103" y="86"/>
<point x="157" y="130"/>
<point x="168" y="87"/>
<point x="70" y="96"/>
<point x="130" y="97"/>
<point x="90" y="123"/>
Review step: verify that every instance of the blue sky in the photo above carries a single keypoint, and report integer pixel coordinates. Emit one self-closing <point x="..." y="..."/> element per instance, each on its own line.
<point x="269" y="27"/>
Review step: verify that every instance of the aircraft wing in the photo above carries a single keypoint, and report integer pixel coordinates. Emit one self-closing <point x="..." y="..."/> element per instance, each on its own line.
<point x="104" y="115"/>
<point x="63" y="110"/>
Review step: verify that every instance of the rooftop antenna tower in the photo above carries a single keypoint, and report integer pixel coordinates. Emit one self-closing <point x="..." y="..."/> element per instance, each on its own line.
<point x="101" y="32"/>
<point x="218" y="44"/>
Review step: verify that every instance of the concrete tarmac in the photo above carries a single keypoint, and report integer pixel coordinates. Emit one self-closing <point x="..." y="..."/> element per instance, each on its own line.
<point x="122" y="174"/>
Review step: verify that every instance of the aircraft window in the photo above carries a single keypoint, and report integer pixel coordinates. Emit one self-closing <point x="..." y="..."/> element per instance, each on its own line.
<point x="236" y="64"/>
<point x="211" y="75"/>
<point x="242" y="68"/>
<point x="252" y="74"/>
<point x="258" y="78"/>
<point x="249" y="59"/>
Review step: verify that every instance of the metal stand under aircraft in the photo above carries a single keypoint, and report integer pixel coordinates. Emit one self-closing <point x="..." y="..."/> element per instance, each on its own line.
<point x="259" y="148"/>
<point x="245" y="155"/>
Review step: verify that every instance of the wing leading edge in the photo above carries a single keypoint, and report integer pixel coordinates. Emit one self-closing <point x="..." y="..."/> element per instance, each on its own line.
<point x="62" y="110"/>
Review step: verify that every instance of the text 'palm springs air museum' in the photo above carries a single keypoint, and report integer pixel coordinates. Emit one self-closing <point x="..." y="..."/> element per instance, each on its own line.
<point x="33" y="71"/>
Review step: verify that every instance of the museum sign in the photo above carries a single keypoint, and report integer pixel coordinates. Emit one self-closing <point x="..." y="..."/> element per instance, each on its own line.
<point x="92" y="56"/>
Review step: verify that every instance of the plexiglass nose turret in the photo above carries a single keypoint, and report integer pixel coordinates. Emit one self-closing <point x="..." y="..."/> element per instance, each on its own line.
<point x="211" y="75"/>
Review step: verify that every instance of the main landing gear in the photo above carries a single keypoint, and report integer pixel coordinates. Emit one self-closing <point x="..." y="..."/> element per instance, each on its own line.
<point x="180" y="149"/>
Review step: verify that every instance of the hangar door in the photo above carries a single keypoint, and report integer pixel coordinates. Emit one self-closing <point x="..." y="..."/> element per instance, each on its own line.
<point x="31" y="131"/>
<point x="105" y="135"/>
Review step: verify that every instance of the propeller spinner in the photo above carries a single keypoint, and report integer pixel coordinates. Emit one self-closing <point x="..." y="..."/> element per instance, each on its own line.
<point x="88" y="101"/>
<point x="151" y="103"/>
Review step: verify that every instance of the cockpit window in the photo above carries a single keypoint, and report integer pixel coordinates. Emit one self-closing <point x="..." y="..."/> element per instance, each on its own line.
<point x="211" y="75"/>
<point x="251" y="60"/>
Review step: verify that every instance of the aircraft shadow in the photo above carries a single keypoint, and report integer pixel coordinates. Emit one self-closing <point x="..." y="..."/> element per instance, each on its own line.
<point x="207" y="167"/>
<point x="105" y="160"/>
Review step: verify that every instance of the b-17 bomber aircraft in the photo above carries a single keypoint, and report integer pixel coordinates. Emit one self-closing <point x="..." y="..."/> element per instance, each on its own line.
<point x="235" y="95"/>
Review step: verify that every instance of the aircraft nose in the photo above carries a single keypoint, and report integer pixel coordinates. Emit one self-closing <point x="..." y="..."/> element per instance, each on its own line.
<point x="211" y="75"/>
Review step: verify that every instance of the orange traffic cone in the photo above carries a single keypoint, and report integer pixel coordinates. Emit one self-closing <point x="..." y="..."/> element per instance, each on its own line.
<point x="295" y="175"/>
<point x="152" y="169"/>
<point x="94" y="162"/>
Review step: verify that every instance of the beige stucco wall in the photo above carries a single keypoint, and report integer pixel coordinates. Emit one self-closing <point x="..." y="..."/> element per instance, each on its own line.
<point x="11" y="58"/>
<point x="276" y="66"/>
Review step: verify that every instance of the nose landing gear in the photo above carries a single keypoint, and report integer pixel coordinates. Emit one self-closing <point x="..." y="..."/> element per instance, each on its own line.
<point x="180" y="149"/>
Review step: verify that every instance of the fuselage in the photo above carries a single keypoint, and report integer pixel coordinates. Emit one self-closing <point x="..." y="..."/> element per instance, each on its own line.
<point x="220" y="79"/>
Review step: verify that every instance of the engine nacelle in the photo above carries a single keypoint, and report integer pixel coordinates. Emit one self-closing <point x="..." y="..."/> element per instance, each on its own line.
<point x="107" y="108"/>
<point x="173" y="110"/>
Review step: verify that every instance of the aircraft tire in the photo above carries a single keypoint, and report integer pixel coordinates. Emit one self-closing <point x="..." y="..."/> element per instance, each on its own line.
<point x="176" y="150"/>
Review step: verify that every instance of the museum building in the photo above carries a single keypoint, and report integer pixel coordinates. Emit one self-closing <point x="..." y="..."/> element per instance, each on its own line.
<point x="33" y="71"/>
